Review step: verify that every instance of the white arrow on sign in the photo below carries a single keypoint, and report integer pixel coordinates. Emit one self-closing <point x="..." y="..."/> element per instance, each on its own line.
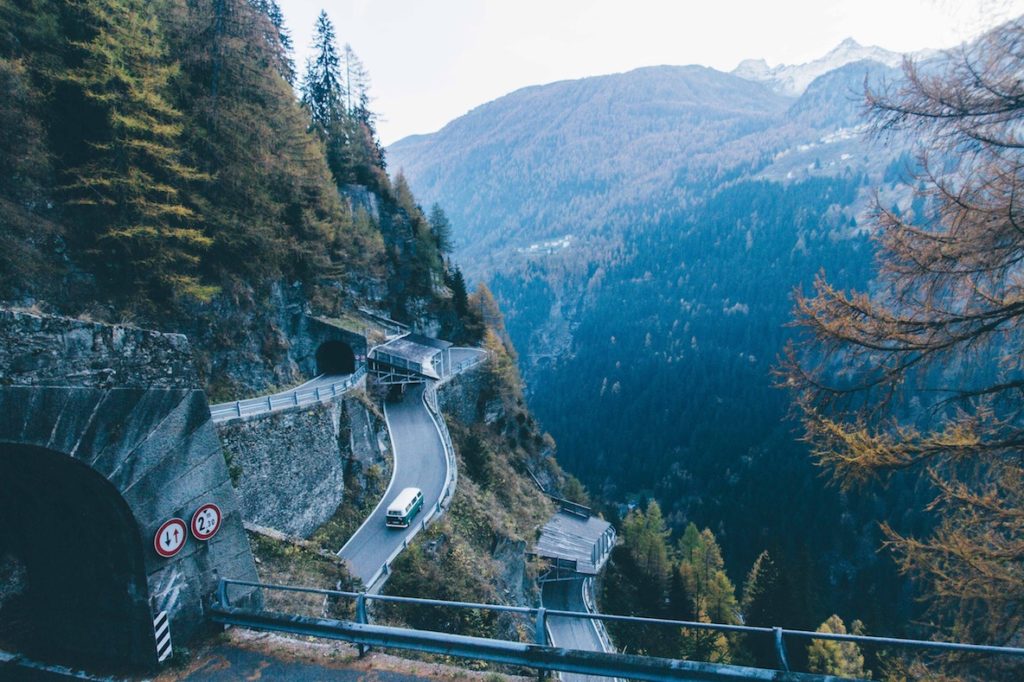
<point x="171" y="537"/>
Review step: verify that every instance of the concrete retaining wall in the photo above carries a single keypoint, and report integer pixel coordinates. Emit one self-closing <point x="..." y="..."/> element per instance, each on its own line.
<point x="289" y="466"/>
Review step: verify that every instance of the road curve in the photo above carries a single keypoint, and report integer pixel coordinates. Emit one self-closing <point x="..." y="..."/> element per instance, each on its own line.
<point x="571" y="633"/>
<point x="419" y="461"/>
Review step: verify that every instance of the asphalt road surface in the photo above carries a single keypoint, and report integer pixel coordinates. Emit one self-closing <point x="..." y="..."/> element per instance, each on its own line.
<point x="570" y="633"/>
<point x="419" y="462"/>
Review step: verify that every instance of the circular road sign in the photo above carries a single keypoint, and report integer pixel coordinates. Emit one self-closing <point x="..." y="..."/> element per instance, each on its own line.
<point x="171" y="537"/>
<point x="206" y="521"/>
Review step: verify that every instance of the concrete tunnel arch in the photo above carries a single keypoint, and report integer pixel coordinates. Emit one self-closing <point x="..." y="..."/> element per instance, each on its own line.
<point x="335" y="357"/>
<point x="72" y="567"/>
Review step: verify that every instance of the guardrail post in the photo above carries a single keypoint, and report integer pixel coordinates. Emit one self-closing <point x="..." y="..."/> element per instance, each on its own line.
<point x="540" y="634"/>
<point x="780" y="649"/>
<point x="361" y="618"/>
<point x="295" y="396"/>
<point x="318" y="394"/>
<point x="238" y="407"/>
<point x="270" y="404"/>
<point x="222" y="592"/>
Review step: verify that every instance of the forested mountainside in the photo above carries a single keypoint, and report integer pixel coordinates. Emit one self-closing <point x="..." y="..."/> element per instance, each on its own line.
<point x="649" y="291"/>
<point x="158" y="167"/>
<point x="591" y="158"/>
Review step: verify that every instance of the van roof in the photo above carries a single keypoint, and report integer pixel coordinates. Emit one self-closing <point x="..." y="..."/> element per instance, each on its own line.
<point x="403" y="499"/>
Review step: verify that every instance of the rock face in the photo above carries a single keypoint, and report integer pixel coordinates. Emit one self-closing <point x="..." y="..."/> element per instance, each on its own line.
<point x="58" y="351"/>
<point x="105" y="437"/>
<point x="256" y="344"/>
<point x="460" y="397"/>
<point x="289" y="466"/>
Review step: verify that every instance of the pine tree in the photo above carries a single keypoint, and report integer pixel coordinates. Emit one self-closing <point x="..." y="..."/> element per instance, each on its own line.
<point x="279" y="39"/>
<point x="323" y="90"/>
<point x="460" y="299"/>
<point x="441" y="228"/>
<point x="940" y="332"/>
<point x="357" y="84"/>
<point x="760" y="593"/>
<point x="702" y="569"/>
<point x="271" y="205"/>
<point x="644" y="534"/>
<point x="130" y="189"/>
<point x="761" y="607"/>
<point x="831" y="657"/>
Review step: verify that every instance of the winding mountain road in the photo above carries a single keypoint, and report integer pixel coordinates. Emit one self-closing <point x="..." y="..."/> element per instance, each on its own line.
<point x="420" y="461"/>
<point x="571" y="633"/>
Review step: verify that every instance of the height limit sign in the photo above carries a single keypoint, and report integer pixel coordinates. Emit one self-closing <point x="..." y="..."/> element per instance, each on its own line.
<point x="206" y="521"/>
<point x="171" y="537"/>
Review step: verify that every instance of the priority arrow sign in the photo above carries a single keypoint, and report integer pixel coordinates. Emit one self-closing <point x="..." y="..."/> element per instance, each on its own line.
<point x="171" y="537"/>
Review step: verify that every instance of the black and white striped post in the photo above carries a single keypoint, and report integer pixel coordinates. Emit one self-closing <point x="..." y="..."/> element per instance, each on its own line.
<point x="162" y="632"/>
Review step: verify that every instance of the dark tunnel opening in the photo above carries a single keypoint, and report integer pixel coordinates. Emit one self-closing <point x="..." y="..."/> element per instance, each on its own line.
<point x="335" y="357"/>
<point x="72" y="578"/>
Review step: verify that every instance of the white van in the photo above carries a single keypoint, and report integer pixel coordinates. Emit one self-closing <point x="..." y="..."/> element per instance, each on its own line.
<point x="404" y="507"/>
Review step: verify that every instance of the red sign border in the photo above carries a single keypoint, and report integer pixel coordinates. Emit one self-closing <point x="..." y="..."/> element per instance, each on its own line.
<point x="220" y="520"/>
<point x="163" y="527"/>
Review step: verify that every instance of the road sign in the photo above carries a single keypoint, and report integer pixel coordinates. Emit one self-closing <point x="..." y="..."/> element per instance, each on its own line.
<point x="171" y="537"/>
<point x="206" y="521"/>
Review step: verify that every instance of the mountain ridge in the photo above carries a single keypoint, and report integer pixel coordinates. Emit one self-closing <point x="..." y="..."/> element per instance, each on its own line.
<point x="793" y="79"/>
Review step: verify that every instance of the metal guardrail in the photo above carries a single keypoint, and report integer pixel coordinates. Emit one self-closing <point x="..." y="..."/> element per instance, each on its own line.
<point x="464" y="365"/>
<point x="279" y="401"/>
<point x="591" y="604"/>
<point x="611" y="665"/>
<point x="570" y="507"/>
<point x="536" y="656"/>
<point x="385" y="321"/>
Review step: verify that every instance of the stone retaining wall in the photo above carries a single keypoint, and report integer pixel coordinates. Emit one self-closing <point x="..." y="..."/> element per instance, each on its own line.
<point x="289" y="466"/>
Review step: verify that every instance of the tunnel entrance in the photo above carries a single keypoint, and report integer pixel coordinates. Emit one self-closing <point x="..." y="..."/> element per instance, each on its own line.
<point x="335" y="357"/>
<point x="71" y="565"/>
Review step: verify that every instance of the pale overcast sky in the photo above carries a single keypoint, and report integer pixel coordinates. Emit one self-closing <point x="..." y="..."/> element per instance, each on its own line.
<point x="433" y="60"/>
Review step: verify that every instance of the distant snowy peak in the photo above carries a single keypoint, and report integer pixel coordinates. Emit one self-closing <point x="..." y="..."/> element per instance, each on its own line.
<point x="793" y="80"/>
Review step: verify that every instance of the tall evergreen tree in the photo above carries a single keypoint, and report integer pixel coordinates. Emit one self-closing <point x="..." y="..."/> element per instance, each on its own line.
<point x="441" y="228"/>
<point x="761" y="607"/>
<point x="130" y="189"/>
<point x="279" y="39"/>
<point x="323" y="90"/>
<point x="357" y="84"/>
<point x="460" y="299"/>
